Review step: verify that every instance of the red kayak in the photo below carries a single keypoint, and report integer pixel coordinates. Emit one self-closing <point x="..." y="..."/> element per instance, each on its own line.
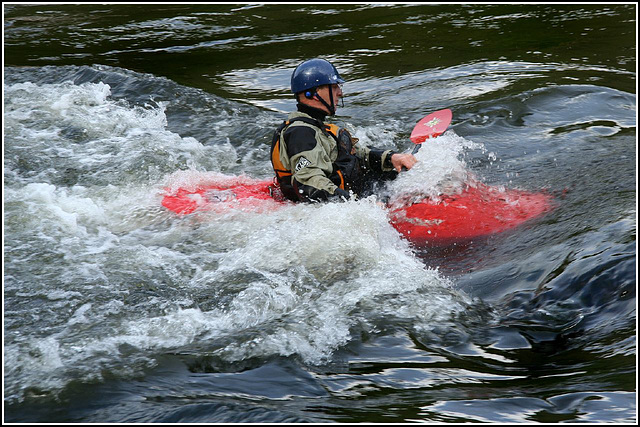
<point x="479" y="210"/>
<point x="224" y="194"/>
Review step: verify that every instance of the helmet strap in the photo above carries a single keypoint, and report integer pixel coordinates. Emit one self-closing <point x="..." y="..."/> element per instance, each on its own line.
<point x="330" y="106"/>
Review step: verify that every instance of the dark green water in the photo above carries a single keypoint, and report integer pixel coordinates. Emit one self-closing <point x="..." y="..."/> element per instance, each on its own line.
<point x="116" y="311"/>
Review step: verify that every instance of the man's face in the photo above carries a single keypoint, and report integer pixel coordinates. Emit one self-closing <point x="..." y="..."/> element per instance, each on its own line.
<point x="336" y="92"/>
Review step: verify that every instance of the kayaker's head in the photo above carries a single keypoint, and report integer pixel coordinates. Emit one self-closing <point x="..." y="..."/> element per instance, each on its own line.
<point x="317" y="83"/>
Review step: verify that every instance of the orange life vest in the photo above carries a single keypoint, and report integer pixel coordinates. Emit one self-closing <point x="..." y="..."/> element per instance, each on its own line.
<point x="283" y="175"/>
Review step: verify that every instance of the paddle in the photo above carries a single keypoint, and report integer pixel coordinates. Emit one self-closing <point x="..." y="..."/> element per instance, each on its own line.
<point x="430" y="126"/>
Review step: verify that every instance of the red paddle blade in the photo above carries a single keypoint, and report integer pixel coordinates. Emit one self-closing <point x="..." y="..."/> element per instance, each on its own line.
<point x="431" y="126"/>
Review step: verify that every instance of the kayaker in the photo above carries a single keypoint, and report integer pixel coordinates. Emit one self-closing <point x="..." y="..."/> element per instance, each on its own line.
<point x="316" y="161"/>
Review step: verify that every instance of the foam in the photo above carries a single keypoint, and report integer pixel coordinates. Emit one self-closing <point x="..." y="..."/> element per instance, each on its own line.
<point x="441" y="168"/>
<point x="129" y="280"/>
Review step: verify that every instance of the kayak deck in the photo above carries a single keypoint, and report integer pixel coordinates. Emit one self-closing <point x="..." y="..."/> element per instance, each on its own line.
<point x="477" y="211"/>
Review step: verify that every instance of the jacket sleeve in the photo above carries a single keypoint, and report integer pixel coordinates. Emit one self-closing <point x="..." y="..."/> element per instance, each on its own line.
<point x="375" y="159"/>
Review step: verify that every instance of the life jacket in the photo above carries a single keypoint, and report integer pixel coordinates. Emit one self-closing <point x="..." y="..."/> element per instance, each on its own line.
<point x="346" y="172"/>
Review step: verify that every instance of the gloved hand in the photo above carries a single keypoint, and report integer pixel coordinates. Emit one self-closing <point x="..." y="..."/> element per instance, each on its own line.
<point x="340" y="195"/>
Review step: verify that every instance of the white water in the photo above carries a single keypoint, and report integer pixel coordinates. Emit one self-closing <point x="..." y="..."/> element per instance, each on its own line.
<point x="119" y="279"/>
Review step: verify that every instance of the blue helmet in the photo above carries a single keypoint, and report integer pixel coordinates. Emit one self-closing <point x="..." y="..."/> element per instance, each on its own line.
<point x="314" y="73"/>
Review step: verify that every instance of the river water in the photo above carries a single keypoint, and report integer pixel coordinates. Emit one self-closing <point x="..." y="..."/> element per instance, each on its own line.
<point x="117" y="310"/>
